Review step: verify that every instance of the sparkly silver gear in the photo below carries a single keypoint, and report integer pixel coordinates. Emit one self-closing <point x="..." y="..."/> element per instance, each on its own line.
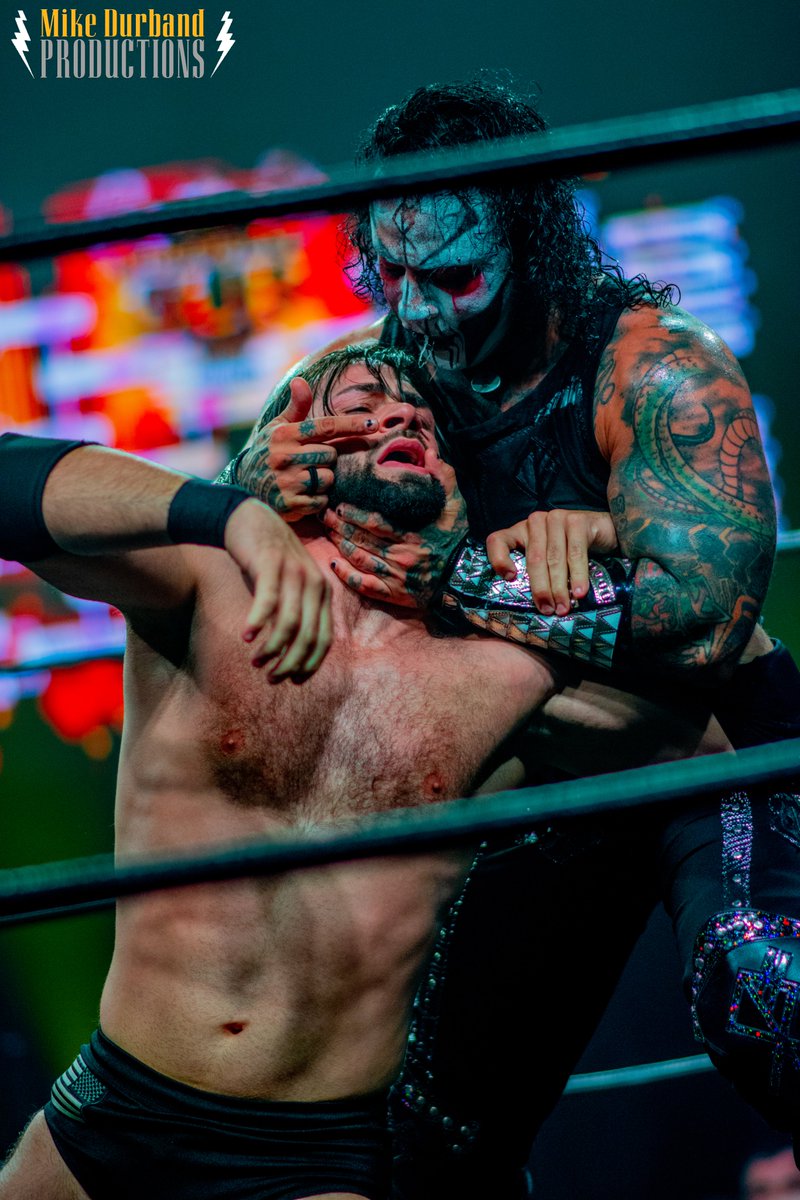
<point x="591" y="632"/>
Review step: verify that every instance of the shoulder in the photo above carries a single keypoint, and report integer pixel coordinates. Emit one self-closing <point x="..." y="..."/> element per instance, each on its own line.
<point x="647" y="335"/>
<point x="364" y="333"/>
<point x="663" y="354"/>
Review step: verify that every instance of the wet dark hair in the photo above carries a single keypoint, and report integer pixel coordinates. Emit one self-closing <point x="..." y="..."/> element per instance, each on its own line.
<point x="387" y="364"/>
<point x="540" y="222"/>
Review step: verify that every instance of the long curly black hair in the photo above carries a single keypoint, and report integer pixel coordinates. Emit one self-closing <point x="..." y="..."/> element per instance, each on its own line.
<point x="541" y="223"/>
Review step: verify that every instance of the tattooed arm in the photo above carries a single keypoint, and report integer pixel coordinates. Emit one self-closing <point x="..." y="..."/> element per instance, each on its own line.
<point x="689" y="490"/>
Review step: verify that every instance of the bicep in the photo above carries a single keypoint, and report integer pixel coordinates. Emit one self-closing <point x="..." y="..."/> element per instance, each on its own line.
<point x="689" y="486"/>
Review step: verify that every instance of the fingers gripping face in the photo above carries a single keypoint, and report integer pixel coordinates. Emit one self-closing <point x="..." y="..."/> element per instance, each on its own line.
<point x="385" y="449"/>
<point x="397" y="508"/>
<point x="291" y="463"/>
<point x="395" y="468"/>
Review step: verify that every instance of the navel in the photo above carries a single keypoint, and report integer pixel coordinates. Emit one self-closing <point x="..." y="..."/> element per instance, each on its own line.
<point x="234" y="1026"/>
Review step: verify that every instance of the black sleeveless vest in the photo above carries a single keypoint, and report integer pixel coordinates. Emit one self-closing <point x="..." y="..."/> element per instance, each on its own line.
<point x="539" y="454"/>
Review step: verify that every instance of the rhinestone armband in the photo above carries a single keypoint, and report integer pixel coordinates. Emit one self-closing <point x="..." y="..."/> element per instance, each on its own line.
<point x="595" y="631"/>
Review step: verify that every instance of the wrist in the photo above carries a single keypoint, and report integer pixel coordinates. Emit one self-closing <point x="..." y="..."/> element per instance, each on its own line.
<point x="199" y="512"/>
<point x="595" y="631"/>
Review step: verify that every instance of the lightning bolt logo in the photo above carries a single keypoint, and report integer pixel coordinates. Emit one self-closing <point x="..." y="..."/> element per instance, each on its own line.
<point x="21" y="39"/>
<point x="224" y="38"/>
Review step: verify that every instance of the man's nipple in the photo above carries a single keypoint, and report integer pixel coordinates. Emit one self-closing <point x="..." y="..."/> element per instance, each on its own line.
<point x="433" y="786"/>
<point x="234" y="1026"/>
<point x="232" y="741"/>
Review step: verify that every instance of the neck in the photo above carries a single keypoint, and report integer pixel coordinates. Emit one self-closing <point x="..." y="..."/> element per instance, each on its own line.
<point x="350" y="610"/>
<point x="518" y="375"/>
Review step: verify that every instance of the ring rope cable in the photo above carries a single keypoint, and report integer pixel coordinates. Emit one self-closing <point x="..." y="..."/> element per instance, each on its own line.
<point x="745" y="123"/>
<point x="641" y="1073"/>
<point x="408" y="831"/>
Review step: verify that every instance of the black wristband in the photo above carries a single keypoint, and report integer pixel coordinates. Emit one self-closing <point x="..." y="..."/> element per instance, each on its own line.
<point x="25" y="464"/>
<point x="199" y="512"/>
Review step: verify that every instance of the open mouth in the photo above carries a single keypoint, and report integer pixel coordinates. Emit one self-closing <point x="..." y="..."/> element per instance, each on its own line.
<point x="402" y="452"/>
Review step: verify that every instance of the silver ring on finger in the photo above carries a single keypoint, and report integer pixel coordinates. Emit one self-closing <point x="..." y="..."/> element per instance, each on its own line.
<point x="313" y="481"/>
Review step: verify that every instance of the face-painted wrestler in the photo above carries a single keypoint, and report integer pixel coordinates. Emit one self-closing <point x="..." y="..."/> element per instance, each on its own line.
<point x="249" y="1030"/>
<point x="562" y="390"/>
<point x="447" y="277"/>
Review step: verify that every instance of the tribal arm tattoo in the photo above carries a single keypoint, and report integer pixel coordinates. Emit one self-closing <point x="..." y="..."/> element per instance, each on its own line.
<point x="692" y="505"/>
<point x="689" y="491"/>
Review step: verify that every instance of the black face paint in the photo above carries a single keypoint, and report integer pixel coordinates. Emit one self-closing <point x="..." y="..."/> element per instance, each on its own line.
<point x="478" y="337"/>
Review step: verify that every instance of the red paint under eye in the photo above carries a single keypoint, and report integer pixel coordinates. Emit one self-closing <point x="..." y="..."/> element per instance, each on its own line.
<point x="458" y="281"/>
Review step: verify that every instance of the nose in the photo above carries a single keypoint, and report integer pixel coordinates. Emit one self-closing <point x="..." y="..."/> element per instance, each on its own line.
<point x="414" y="305"/>
<point x="397" y="417"/>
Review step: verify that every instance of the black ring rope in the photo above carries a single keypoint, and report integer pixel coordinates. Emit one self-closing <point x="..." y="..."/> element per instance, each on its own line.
<point x="24" y="890"/>
<point x="749" y="122"/>
<point x="640" y="1073"/>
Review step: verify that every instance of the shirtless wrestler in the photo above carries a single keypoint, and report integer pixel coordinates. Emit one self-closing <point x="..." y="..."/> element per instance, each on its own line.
<point x="249" y="1030"/>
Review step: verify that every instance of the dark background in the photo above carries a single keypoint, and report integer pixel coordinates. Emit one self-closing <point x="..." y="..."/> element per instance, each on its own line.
<point x="309" y="76"/>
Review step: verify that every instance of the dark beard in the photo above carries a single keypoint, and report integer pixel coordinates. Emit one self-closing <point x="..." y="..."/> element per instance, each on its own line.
<point x="408" y="506"/>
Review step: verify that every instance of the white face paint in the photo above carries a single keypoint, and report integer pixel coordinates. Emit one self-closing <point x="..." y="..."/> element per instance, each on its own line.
<point x="442" y="270"/>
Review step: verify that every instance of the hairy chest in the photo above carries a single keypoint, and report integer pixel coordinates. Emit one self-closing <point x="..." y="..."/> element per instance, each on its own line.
<point x="377" y="727"/>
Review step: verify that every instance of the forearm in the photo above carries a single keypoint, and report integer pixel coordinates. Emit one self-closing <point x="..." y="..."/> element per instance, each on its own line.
<point x="593" y="726"/>
<point x="596" y="631"/>
<point x="691" y="624"/>
<point x="88" y="500"/>
<point x="635" y="614"/>
<point x="100" y="501"/>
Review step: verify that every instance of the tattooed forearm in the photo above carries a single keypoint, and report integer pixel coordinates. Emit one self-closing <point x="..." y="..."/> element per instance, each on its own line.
<point x="690" y="622"/>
